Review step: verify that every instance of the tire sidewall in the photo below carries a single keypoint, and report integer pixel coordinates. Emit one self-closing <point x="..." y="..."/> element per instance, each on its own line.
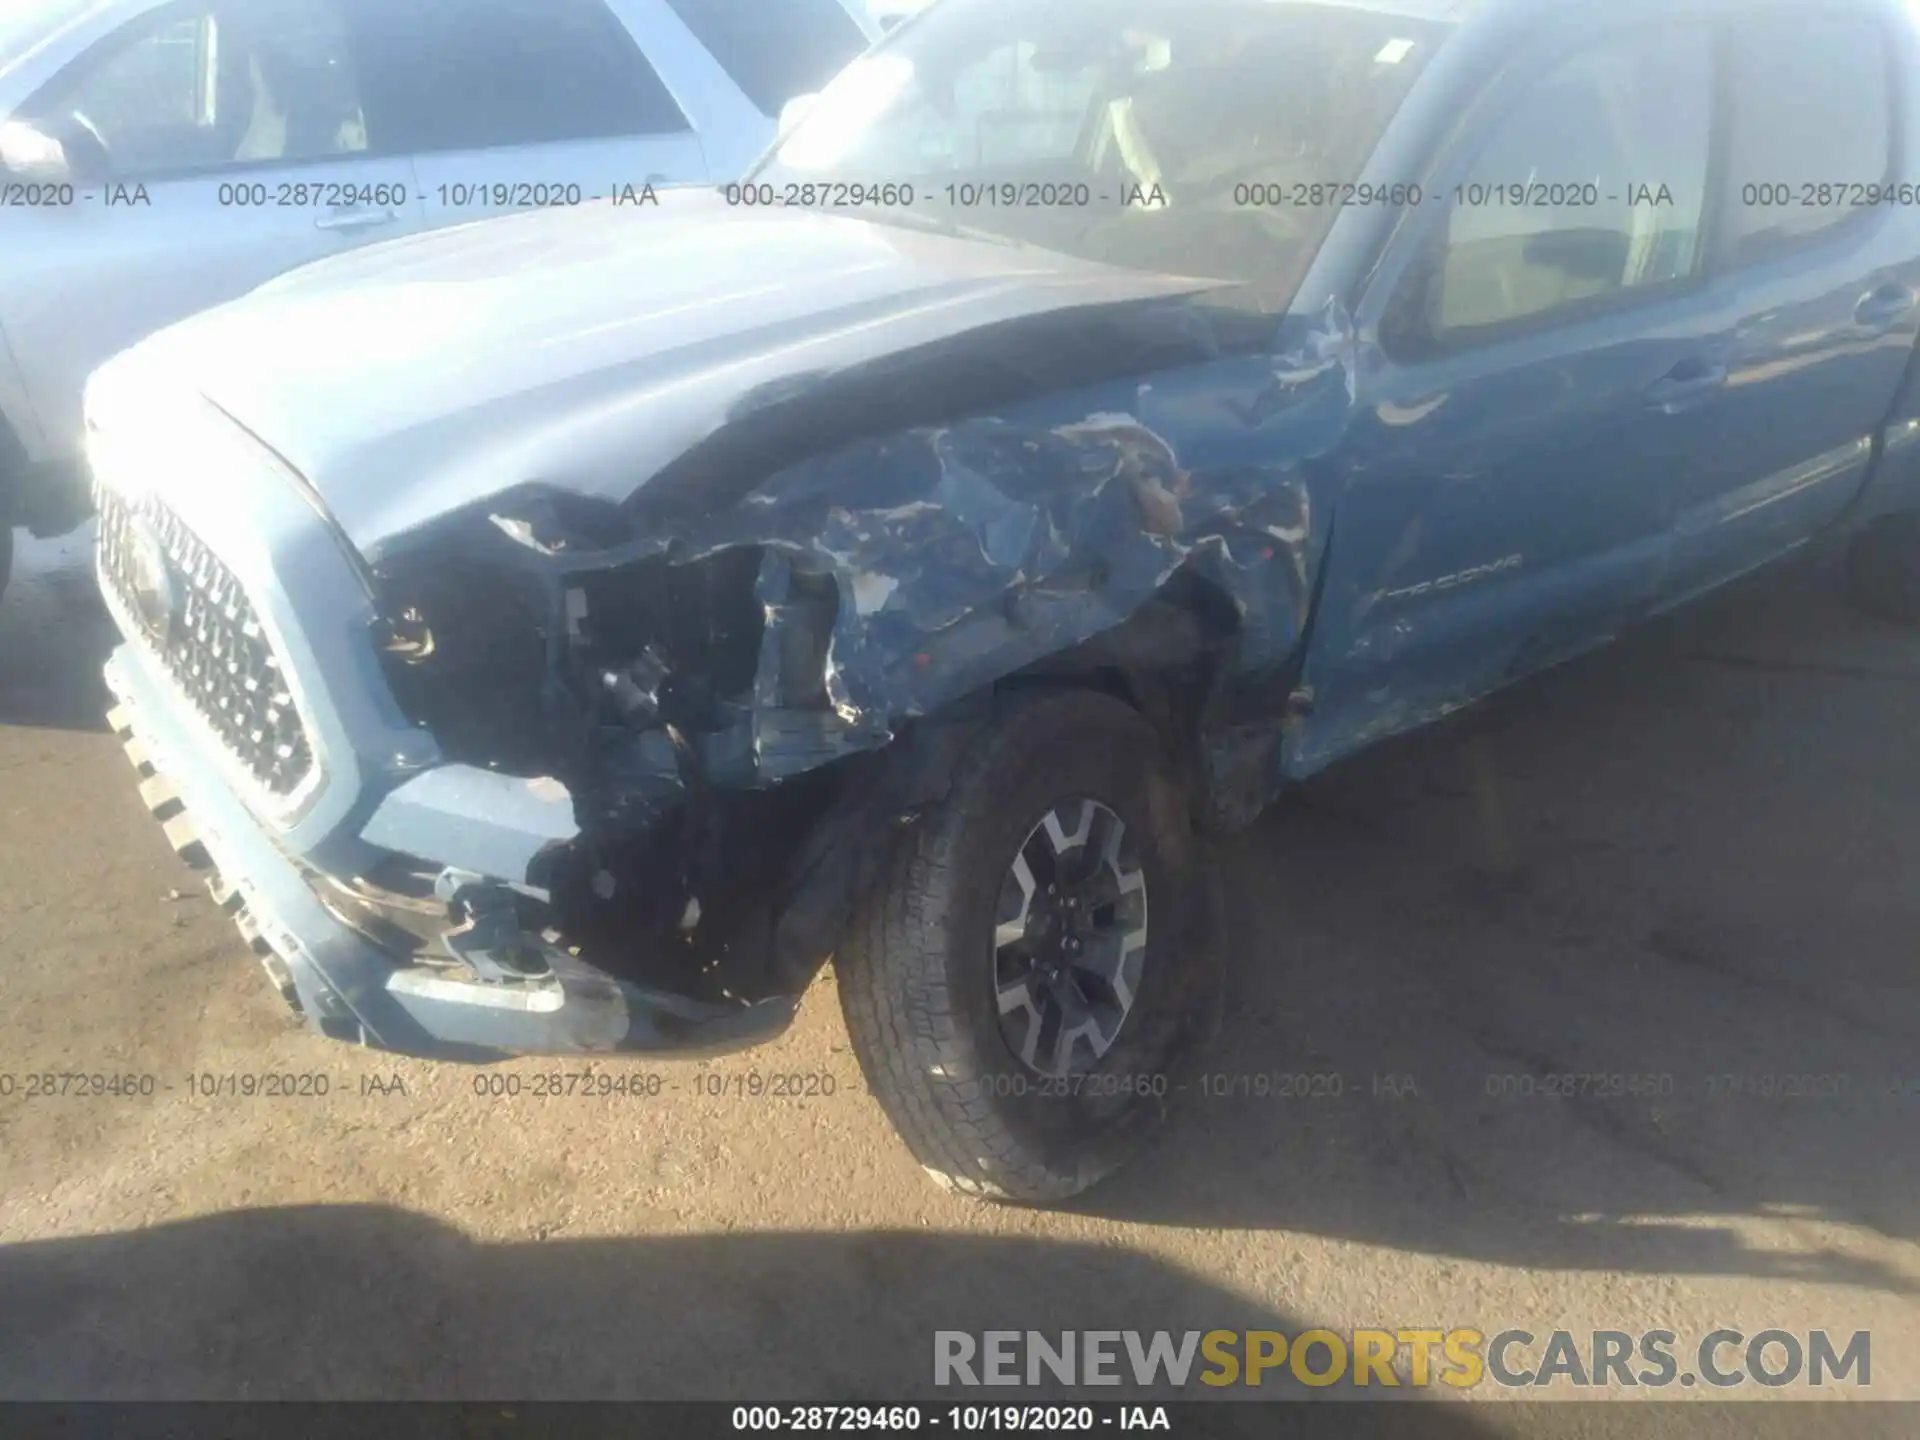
<point x="1055" y="751"/>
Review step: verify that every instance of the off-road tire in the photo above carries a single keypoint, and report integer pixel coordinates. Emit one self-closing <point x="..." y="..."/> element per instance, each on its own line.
<point x="1883" y="568"/>
<point x="915" y="969"/>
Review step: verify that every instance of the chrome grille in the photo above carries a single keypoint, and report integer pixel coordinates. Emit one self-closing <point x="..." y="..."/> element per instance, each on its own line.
<point x="209" y="637"/>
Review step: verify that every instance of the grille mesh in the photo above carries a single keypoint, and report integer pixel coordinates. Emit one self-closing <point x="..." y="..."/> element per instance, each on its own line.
<point x="214" y="646"/>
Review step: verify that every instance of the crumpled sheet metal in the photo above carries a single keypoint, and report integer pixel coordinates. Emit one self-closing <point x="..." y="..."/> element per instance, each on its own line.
<point x="968" y="550"/>
<point x="964" y="553"/>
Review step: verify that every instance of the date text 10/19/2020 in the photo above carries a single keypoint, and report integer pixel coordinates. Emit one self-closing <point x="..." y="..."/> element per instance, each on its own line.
<point x="1039" y="1419"/>
<point x="515" y="195"/>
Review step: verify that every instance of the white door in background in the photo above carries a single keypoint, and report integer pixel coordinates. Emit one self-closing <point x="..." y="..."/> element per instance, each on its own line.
<point x="237" y="147"/>
<point x="513" y="104"/>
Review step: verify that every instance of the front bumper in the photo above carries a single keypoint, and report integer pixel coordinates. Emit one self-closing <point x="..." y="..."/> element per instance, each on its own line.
<point x="350" y="989"/>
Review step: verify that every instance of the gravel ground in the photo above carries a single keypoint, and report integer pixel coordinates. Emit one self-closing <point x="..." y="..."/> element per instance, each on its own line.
<point x="1690" y="857"/>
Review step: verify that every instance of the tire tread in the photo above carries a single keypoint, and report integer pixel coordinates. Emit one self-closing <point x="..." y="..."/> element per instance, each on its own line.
<point x="899" y="1008"/>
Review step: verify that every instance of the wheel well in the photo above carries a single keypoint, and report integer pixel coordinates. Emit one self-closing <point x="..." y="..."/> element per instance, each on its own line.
<point x="1161" y="661"/>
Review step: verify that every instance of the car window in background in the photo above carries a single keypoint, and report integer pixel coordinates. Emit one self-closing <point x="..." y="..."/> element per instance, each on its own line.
<point x="144" y="96"/>
<point x="1022" y="112"/>
<point x="487" y="74"/>
<point x="774" y="49"/>
<point x="1811" y="119"/>
<point x="203" y="87"/>
<point x="1593" y="185"/>
<point x="1165" y="135"/>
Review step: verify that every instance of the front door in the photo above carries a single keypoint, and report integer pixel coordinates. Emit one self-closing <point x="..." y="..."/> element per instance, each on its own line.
<point x="1541" y="386"/>
<point x="510" y="105"/>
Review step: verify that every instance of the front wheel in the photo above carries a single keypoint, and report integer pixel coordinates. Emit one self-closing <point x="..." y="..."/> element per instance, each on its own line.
<point x="1883" y="568"/>
<point x="1026" y="986"/>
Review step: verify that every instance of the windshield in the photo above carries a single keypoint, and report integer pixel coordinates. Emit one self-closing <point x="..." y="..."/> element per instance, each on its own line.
<point x="1199" y="137"/>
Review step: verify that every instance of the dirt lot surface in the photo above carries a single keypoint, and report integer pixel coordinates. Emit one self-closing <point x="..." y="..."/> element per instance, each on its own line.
<point x="1692" y="857"/>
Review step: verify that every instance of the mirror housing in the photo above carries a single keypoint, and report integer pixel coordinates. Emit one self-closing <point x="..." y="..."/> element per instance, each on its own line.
<point x="68" y="154"/>
<point x="796" y="110"/>
<point x="29" y="153"/>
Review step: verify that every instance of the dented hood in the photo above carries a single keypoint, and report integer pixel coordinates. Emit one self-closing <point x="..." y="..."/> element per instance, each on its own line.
<point x="583" y="349"/>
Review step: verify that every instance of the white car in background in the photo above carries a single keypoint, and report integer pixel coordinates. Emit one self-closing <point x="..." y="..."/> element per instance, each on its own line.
<point x="160" y="156"/>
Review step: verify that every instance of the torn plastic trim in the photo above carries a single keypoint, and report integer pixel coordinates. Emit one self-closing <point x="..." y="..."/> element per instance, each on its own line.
<point x="465" y="818"/>
<point x="350" y="989"/>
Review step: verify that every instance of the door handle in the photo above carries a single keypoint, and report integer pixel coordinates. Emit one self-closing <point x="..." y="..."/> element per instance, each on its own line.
<point x="1883" y="308"/>
<point x="350" y="220"/>
<point x="1689" y="384"/>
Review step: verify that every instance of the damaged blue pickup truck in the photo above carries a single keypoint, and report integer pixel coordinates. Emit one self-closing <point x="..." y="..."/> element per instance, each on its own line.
<point x="569" y="633"/>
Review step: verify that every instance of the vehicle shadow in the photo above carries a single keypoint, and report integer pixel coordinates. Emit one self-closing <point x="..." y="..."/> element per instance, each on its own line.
<point x="54" y="637"/>
<point x="365" y="1301"/>
<point x="1592" y="976"/>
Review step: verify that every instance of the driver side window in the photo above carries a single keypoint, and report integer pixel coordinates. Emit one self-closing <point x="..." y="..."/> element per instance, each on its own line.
<point x="141" y="89"/>
<point x="1592" y="187"/>
<point x="204" y="87"/>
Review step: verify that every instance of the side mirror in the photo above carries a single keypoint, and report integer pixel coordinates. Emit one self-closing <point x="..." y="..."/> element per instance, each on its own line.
<point x="796" y="110"/>
<point x="31" y="154"/>
<point x="59" y="154"/>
